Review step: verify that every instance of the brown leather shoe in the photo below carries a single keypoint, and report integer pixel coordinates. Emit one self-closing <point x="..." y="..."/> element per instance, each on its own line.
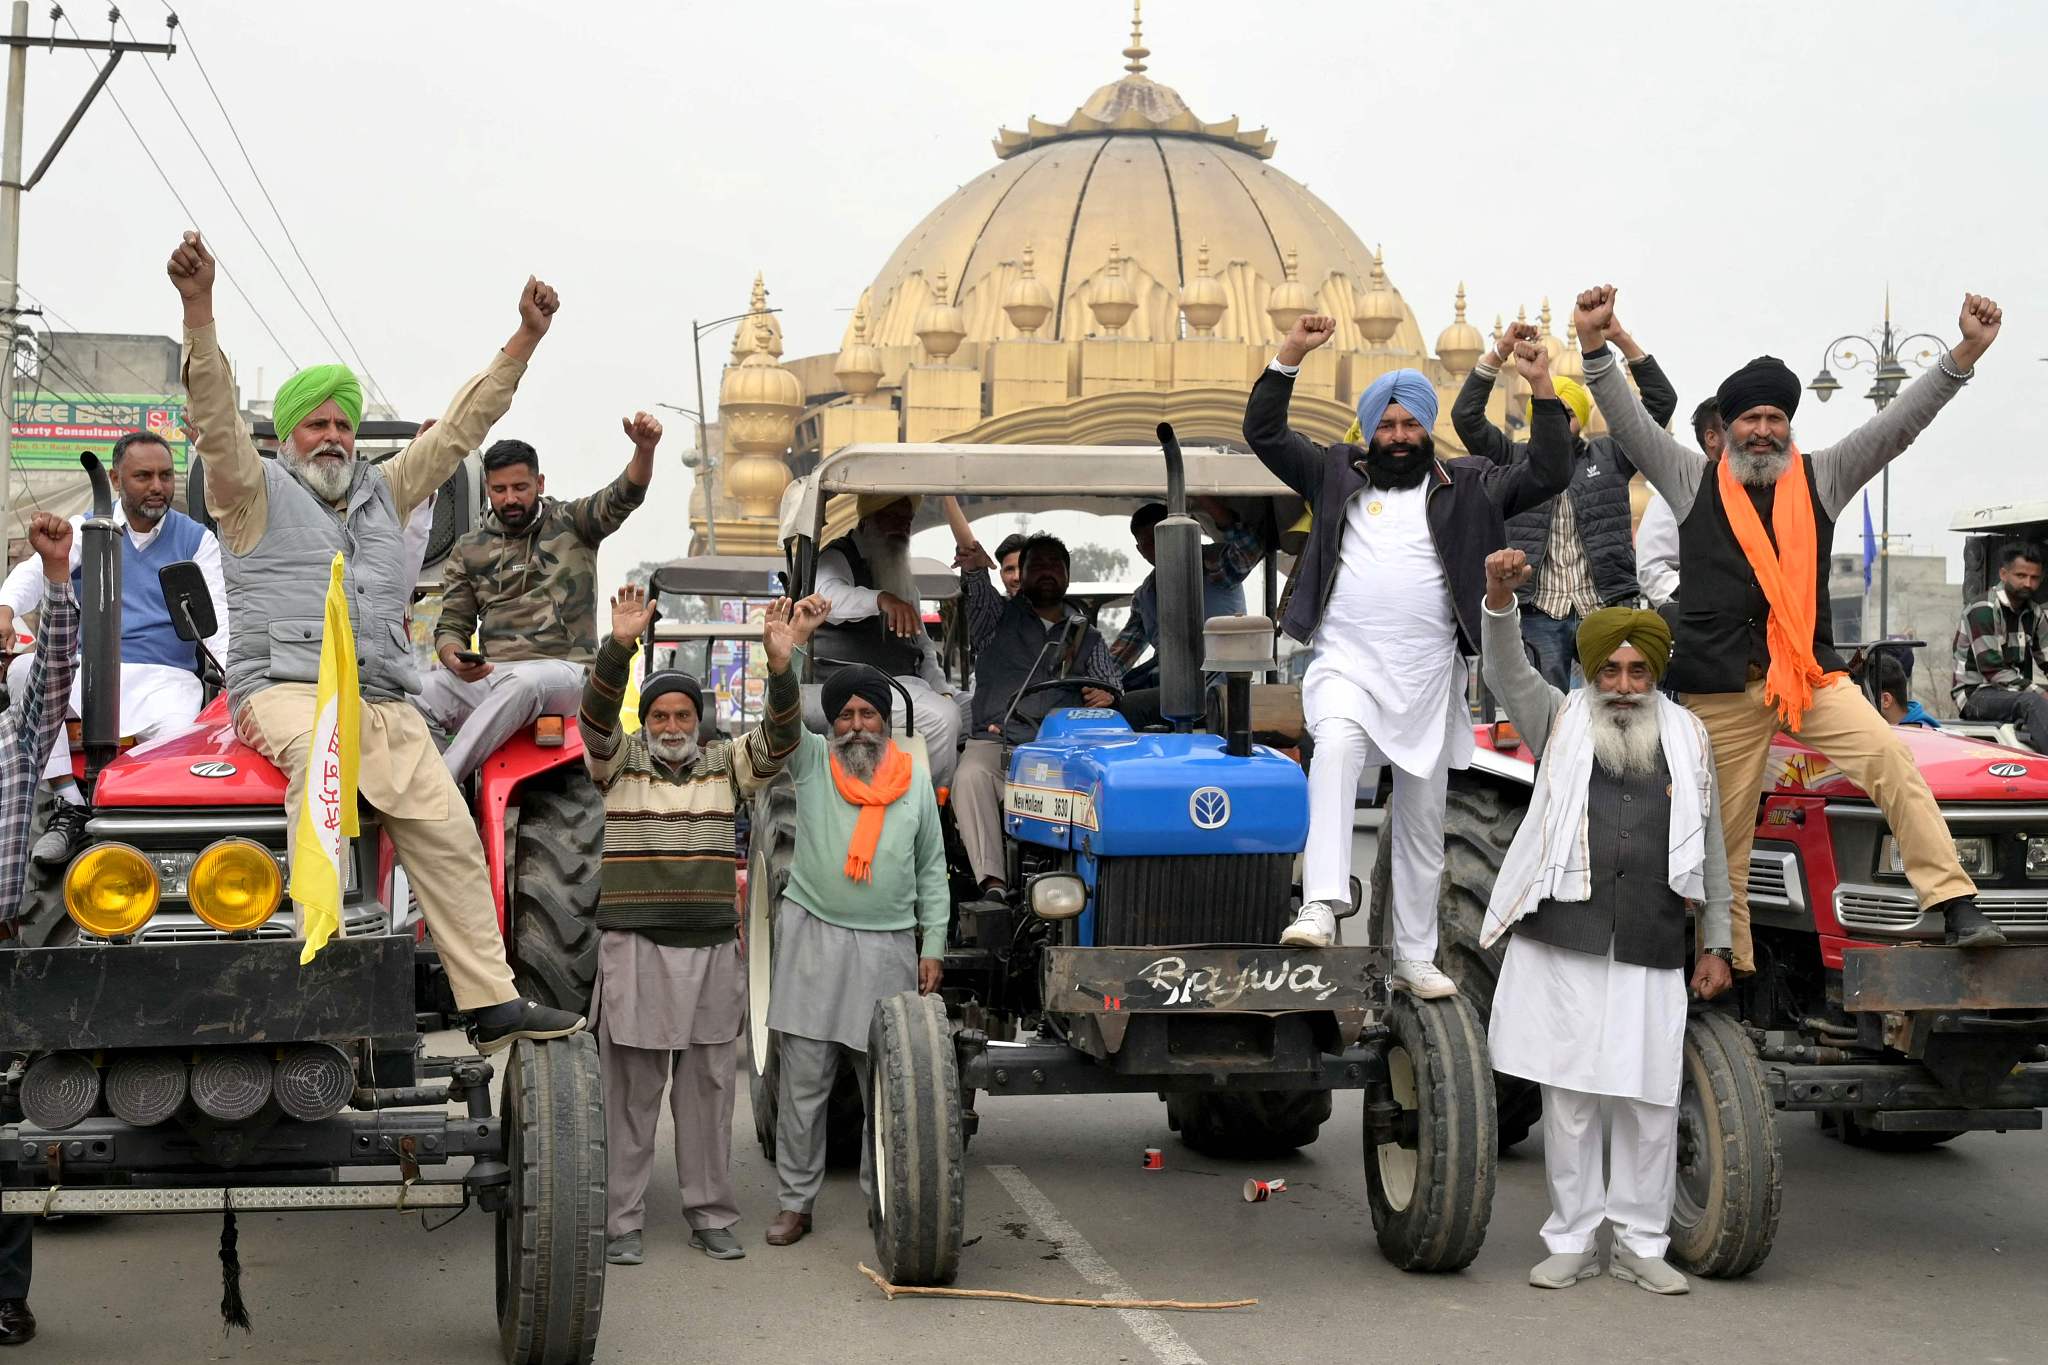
<point x="788" y="1228"/>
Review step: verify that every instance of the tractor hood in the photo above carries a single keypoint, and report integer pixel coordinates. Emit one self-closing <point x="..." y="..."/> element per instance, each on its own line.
<point x="201" y="765"/>
<point x="1957" y="768"/>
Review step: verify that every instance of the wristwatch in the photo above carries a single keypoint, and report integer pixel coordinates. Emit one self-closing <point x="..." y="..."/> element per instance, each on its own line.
<point x="1727" y="955"/>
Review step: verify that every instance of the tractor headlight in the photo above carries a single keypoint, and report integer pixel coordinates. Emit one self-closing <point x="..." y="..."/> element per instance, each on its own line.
<point x="1974" y="853"/>
<point x="110" y="890"/>
<point x="2037" y="855"/>
<point x="1056" y="895"/>
<point x="235" y="885"/>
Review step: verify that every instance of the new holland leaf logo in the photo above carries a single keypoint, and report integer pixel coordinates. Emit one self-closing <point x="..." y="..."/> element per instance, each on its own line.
<point x="1209" y="808"/>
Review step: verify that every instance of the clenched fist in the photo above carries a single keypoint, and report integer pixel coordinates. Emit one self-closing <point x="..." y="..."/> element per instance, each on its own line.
<point x="1506" y="570"/>
<point x="1504" y="349"/>
<point x="537" y="305"/>
<point x="643" y="430"/>
<point x="191" y="267"/>
<point x="1980" y="321"/>
<point x="49" y="535"/>
<point x="1593" y="317"/>
<point x="1310" y="330"/>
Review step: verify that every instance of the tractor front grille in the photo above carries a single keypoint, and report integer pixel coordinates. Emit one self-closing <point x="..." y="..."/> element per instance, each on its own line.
<point x="1222" y="898"/>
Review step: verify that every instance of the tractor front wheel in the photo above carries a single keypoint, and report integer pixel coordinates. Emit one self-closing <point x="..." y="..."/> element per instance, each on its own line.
<point x="920" y="1174"/>
<point x="550" y="1278"/>
<point x="1430" y="1184"/>
<point x="1724" y="1215"/>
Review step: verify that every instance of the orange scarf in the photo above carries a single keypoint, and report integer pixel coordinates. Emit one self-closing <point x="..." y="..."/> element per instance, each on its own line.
<point x="1787" y="576"/>
<point x="891" y="780"/>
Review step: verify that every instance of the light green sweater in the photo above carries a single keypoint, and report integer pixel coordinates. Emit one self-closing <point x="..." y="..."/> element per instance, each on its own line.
<point x="909" y="884"/>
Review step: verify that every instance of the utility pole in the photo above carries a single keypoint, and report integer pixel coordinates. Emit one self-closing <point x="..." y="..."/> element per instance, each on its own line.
<point x="11" y="188"/>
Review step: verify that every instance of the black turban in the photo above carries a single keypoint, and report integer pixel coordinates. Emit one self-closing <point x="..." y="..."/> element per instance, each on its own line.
<point x="1765" y="380"/>
<point x="859" y="680"/>
<point x="667" y="681"/>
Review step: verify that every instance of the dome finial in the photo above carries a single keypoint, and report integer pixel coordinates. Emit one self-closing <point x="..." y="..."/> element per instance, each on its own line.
<point x="859" y="367"/>
<point x="1202" y="300"/>
<point x="1459" y="345"/>
<point x="1026" y="302"/>
<point x="1137" y="51"/>
<point x="1111" y="299"/>
<point x="939" y="323"/>
<point x="1461" y="301"/>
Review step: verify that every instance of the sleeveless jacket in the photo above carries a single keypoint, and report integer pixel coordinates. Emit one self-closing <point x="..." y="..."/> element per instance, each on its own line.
<point x="1632" y="906"/>
<point x="147" y="633"/>
<point x="868" y="640"/>
<point x="1022" y="648"/>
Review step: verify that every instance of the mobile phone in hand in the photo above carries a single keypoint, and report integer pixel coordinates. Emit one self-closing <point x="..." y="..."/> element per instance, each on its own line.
<point x="469" y="656"/>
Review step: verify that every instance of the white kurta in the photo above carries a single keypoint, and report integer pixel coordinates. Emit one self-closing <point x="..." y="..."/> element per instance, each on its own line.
<point x="1591" y="1024"/>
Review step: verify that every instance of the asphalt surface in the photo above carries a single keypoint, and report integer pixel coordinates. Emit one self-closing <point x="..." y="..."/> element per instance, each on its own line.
<point x="1939" y="1256"/>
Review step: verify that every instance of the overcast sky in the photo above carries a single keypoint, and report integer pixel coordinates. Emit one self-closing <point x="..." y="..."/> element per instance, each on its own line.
<point x="1752" y="175"/>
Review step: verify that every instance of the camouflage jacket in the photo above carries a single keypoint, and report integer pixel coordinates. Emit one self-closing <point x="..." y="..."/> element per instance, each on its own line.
<point x="532" y="594"/>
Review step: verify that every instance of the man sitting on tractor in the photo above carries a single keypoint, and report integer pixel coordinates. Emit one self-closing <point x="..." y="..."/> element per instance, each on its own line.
<point x="1034" y="637"/>
<point x="1392" y="576"/>
<point x="1622" y="839"/>
<point x="1225" y="566"/>
<point x="876" y="620"/>
<point x="2001" y="650"/>
<point x="160" y="685"/>
<point x="282" y="522"/>
<point x="524" y="584"/>
<point x="1755" y="650"/>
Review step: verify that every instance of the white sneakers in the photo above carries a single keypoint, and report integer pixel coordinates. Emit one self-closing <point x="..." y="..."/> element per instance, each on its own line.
<point x="1566" y="1268"/>
<point x="1315" y="926"/>
<point x="1421" y="980"/>
<point x="1648" y="1272"/>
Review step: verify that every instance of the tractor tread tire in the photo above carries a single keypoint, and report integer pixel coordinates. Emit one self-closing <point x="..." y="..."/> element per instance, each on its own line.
<point x="550" y="1235"/>
<point x="918" y="1207"/>
<point x="1248" y="1124"/>
<point x="1729" y="1234"/>
<point x="1444" y="1222"/>
<point x="557" y="851"/>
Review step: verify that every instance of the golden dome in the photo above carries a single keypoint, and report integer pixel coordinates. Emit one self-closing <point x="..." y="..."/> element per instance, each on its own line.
<point x="1459" y="345"/>
<point x="1134" y="166"/>
<point x="939" y="325"/>
<point x="859" y="367"/>
<point x="757" y="380"/>
<point x="1111" y="300"/>
<point x="1377" y="312"/>
<point x="1203" y="302"/>
<point x="1026" y="302"/>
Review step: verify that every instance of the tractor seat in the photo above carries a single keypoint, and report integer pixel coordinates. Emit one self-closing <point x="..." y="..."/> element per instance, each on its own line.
<point x="815" y="722"/>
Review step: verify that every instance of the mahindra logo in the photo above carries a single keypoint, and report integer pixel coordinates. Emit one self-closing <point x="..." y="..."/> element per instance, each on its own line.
<point x="213" y="768"/>
<point x="2007" y="770"/>
<point x="1209" y="808"/>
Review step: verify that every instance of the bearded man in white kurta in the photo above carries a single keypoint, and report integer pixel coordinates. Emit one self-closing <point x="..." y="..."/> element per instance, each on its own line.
<point x="1622" y="839"/>
<point x="1387" y="593"/>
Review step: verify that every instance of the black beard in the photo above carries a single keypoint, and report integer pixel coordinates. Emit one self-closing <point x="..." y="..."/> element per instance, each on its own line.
<point x="1399" y="464"/>
<point x="516" y="516"/>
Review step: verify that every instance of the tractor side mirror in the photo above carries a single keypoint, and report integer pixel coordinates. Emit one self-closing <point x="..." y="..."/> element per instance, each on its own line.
<point x="191" y="604"/>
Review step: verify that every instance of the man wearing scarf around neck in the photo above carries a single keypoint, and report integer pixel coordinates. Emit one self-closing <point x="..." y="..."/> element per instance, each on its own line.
<point x="1755" y="649"/>
<point x="1387" y="591"/>
<point x="863" y="918"/>
<point x="1621" y="841"/>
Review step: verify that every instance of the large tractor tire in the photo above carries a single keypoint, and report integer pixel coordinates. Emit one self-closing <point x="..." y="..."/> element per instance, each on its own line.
<point x="556" y="854"/>
<point x="920" y="1193"/>
<point x="1730" y="1176"/>
<point x="550" y="1238"/>
<point x="1431" y="1190"/>
<point x="1843" y="1126"/>
<point x="1480" y="821"/>
<point x="1247" y="1123"/>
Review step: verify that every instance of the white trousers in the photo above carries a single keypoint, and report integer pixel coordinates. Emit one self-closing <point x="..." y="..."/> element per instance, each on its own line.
<point x="155" y="699"/>
<point x="1413" y="835"/>
<point x="1641" y="1177"/>
<point x="483" y="714"/>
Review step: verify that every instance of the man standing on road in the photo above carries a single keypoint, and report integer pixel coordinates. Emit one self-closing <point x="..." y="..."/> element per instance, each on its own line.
<point x="27" y="731"/>
<point x="1578" y="542"/>
<point x="671" y="988"/>
<point x="1755" y="650"/>
<point x="524" y="584"/>
<point x="1393" y="572"/>
<point x="2001" y="651"/>
<point x="863" y="918"/>
<point x="281" y="522"/>
<point x="1621" y="840"/>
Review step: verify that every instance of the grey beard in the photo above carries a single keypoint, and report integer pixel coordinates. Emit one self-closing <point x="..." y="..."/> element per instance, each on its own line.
<point x="859" y="752"/>
<point x="1625" y="739"/>
<point x="328" y="481"/>
<point x="676" y="752"/>
<point x="1758" y="471"/>
<point x="888" y="562"/>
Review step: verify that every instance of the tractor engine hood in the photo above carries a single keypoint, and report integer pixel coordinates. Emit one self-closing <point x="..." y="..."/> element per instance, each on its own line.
<point x="202" y="765"/>
<point x="1957" y="768"/>
<point x="1092" y="784"/>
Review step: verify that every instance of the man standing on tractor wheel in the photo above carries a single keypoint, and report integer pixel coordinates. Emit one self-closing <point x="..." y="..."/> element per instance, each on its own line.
<point x="1393" y="571"/>
<point x="1754" y="652"/>
<point x="524" y="584"/>
<point x="863" y="918"/>
<point x="27" y="731"/>
<point x="671" y="989"/>
<point x="281" y="524"/>
<point x="1621" y="840"/>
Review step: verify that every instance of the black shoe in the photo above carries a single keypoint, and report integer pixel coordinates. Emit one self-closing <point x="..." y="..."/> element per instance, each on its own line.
<point x="499" y="1026"/>
<point x="17" y="1324"/>
<point x="63" y="837"/>
<point x="1967" y="925"/>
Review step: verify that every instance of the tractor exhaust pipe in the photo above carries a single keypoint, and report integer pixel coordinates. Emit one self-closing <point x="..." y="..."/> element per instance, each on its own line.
<point x="1177" y="564"/>
<point x="99" y="659"/>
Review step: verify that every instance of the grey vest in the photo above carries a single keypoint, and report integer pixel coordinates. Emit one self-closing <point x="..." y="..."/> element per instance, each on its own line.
<point x="1628" y="833"/>
<point x="277" y="592"/>
<point x="1022" y="647"/>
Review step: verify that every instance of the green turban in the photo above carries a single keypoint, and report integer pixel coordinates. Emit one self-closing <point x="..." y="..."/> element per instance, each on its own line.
<point x="1609" y="628"/>
<point x="311" y="387"/>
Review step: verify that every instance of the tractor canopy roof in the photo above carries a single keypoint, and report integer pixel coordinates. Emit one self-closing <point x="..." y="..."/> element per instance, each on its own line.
<point x="2016" y="517"/>
<point x="758" y="576"/>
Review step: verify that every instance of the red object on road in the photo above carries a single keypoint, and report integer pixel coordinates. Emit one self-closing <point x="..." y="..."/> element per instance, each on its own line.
<point x="1259" y="1191"/>
<point x="1155" y="1160"/>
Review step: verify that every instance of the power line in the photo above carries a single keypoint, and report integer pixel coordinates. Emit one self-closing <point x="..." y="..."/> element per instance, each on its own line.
<point x="148" y="385"/>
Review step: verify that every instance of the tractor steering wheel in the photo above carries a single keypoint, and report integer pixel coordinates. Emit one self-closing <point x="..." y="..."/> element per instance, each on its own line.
<point x="1115" y="689"/>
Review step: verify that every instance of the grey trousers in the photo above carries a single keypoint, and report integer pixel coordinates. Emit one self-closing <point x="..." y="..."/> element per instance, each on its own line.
<point x="802" y="1095"/>
<point x="482" y="715"/>
<point x="978" y="785"/>
<point x="699" y="1080"/>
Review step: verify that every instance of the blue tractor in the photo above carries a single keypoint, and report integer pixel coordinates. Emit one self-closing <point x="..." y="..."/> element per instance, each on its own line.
<point x="1152" y="872"/>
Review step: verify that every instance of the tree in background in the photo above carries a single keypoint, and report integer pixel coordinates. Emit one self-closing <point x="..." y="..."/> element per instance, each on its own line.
<point x="1096" y="564"/>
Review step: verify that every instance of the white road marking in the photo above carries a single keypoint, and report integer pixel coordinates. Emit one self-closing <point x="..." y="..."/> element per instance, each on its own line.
<point x="1166" y="1344"/>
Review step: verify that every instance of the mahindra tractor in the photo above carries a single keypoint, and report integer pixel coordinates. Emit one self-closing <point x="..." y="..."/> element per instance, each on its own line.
<point x="172" y="1055"/>
<point x="1150" y="874"/>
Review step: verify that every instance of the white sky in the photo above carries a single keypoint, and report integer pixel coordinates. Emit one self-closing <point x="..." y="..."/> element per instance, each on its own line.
<point x="1752" y="175"/>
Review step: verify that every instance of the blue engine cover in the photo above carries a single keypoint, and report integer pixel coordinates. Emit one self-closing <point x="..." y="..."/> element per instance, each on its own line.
<point x="1091" y="784"/>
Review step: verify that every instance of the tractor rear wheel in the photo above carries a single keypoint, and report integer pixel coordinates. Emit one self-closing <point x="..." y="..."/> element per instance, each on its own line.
<point x="550" y="1236"/>
<point x="920" y="1173"/>
<point x="1247" y="1123"/>
<point x="1431" y="1187"/>
<point x="1724" y="1215"/>
<point x="556" y="853"/>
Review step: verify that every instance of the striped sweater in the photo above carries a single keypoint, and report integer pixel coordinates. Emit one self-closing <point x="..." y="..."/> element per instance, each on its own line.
<point x="668" y="837"/>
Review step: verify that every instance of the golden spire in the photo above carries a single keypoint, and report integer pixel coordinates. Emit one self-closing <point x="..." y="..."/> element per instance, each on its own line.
<point x="743" y="335"/>
<point x="1376" y="310"/>
<point x="1137" y="52"/>
<point x="1202" y="300"/>
<point x="859" y="367"/>
<point x="1460" y="344"/>
<point x="1111" y="300"/>
<point x="1290" y="298"/>
<point x="1026" y="302"/>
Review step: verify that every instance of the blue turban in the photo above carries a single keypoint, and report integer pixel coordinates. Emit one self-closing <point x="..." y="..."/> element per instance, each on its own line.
<point x="1410" y="388"/>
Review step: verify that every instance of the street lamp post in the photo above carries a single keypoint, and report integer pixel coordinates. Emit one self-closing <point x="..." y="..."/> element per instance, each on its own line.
<point x="709" y="466"/>
<point x="1885" y="357"/>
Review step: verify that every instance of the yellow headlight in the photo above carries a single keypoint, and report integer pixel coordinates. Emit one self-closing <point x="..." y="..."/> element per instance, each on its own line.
<point x="235" y="885"/>
<point x="110" y="890"/>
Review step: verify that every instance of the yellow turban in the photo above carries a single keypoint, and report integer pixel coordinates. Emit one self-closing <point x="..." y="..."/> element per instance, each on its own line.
<point x="1609" y="628"/>
<point x="1575" y="397"/>
<point x="867" y="504"/>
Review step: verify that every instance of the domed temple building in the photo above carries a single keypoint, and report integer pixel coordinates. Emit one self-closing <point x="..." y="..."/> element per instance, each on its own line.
<point x="1130" y="264"/>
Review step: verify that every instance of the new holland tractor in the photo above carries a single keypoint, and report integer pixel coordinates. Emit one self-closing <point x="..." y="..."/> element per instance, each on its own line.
<point x="1151" y="874"/>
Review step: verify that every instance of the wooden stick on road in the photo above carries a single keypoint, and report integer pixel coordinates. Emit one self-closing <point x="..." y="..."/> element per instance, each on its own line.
<point x="1177" y="1305"/>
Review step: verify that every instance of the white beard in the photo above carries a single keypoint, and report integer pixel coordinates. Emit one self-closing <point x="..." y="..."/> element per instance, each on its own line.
<point x="327" y="481"/>
<point x="1758" y="470"/>
<point x="888" y="562"/>
<point x="1625" y="739"/>
<point x="675" y="752"/>
<point x="859" y="752"/>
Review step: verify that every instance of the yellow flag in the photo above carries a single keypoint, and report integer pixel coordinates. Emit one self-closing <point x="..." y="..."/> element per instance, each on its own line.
<point x="327" y="809"/>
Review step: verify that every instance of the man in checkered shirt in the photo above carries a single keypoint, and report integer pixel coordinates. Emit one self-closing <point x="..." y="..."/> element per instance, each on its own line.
<point x="2001" y="652"/>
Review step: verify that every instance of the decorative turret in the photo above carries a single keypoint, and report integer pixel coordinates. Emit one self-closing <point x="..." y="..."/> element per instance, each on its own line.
<point x="859" y="367"/>
<point x="1111" y="299"/>
<point x="1202" y="301"/>
<point x="1460" y="343"/>
<point x="1553" y="345"/>
<point x="1376" y="310"/>
<point x="758" y="404"/>
<point x="743" y="337"/>
<point x="940" y="326"/>
<point x="1289" y="299"/>
<point x="1026" y="302"/>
